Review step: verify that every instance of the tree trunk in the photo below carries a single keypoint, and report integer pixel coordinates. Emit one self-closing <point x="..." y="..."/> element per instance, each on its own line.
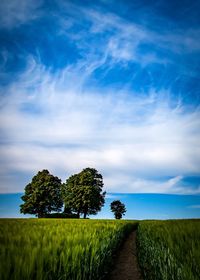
<point x="41" y="215"/>
<point x="85" y="215"/>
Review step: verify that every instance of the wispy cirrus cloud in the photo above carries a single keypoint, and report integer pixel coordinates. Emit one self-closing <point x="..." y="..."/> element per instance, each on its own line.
<point x="57" y="123"/>
<point x="194" y="206"/>
<point x="14" y="13"/>
<point x="123" y="38"/>
<point x="114" y="105"/>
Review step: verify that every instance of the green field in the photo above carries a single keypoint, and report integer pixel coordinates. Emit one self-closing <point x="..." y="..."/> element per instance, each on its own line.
<point x="169" y="250"/>
<point x="59" y="248"/>
<point x="42" y="249"/>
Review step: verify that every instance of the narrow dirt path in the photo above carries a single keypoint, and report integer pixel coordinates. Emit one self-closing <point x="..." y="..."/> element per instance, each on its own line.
<point x="126" y="266"/>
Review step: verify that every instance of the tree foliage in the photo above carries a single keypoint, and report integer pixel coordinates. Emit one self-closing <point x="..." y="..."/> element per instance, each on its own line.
<point x="83" y="193"/>
<point x="118" y="208"/>
<point x="42" y="195"/>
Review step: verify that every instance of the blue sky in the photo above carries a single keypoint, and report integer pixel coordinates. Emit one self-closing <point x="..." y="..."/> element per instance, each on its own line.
<point x="138" y="206"/>
<point x="112" y="85"/>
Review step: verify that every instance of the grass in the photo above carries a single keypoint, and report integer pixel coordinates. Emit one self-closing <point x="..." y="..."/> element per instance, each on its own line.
<point x="42" y="249"/>
<point x="169" y="250"/>
<point x="74" y="249"/>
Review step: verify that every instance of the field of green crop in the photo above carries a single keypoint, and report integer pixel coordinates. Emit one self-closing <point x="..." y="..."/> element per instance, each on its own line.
<point x="169" y="250"/>
<point x="42" y="249"/>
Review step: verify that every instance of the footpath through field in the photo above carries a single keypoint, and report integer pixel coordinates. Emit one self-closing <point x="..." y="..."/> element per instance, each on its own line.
<point x="126" y="266"/>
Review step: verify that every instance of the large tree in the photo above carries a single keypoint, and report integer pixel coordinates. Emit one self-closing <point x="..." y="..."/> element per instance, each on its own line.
<point x="118" y="208"/>
<point x="83" y="193"/>
<point x="42" y="195"/>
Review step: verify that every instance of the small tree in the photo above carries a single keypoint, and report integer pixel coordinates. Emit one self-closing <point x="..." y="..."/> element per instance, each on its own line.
<point x="83" y="193"/>
<point x="42" y="195"/>
<point x="118" y="209"/>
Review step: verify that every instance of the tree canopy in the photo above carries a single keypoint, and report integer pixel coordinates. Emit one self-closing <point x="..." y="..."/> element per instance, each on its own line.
<point x="118" y="208"/>
<point x="83" y="193"/>
<point x="42" y="195"/>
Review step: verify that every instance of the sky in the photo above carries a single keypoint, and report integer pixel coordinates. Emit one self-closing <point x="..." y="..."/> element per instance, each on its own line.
<point x="138" y="206"/>
<point x="112" y="85"/>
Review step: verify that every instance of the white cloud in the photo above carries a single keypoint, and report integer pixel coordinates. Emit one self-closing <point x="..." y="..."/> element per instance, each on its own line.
<point x="123" y="135"/>
<point x="194" y="206"/>
<point x="122" y="38"/>
<point x="14" y="12"/>
<point x="115" y="196"/>
<point x="58" y="121"/>
<point x="130" y="184"/>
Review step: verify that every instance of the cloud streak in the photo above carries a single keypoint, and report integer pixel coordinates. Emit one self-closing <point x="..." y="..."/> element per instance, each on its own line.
<point x="66" y="127"/>
<point x="14" y="14"/>
<point x="194" y="206"/>
<point x="137" y="131"/>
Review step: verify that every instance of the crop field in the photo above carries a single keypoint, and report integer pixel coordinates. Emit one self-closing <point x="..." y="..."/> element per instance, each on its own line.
<point x="78" y="249"/>
<point x="169" y="250"/>
<point x="42" y="249"/>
